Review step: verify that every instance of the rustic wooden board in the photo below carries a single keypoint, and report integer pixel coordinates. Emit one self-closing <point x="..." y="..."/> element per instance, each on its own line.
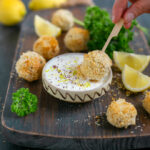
<point x="61" y="125"/>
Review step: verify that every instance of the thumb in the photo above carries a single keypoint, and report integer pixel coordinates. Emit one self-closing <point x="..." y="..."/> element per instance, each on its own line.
<point x="137" y="8"/>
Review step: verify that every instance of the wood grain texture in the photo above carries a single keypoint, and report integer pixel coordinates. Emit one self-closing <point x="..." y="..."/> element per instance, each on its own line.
<point x="58" y="124"/>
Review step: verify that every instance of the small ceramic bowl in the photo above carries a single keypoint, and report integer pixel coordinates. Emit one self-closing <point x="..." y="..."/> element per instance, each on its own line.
<point x="60" y="79"/>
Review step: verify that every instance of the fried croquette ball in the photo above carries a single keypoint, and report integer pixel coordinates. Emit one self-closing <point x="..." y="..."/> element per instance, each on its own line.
<point x="95" y="66"/>
<point x="121" y="114"/>
<point x="63" y="18"/>
<point x="146" y="102"/>
<point x="30" y="65"/>
<point x="76" y="39"/>
<point x="46" y="46"/>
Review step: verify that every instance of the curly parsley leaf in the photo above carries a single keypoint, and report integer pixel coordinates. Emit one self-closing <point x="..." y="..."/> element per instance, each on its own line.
<point x="24" y="102"/>
<point x="97" y="21"/>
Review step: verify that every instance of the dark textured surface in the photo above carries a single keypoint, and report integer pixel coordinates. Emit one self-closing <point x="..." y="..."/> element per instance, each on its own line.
<point x="8" y="39"/>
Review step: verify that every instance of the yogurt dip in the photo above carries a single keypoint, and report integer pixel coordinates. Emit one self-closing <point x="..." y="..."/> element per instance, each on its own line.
<point x="60" y="78"/>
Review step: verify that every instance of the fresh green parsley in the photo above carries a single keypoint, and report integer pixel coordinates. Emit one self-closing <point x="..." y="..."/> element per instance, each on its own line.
<point x="24" y="102"/>
<point x="98" y="22"/>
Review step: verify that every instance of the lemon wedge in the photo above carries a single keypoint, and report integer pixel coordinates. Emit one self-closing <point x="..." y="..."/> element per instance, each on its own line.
<point x="135" y="81"/>
<point x="44" y="27"/>
<point x="136" y="61"/>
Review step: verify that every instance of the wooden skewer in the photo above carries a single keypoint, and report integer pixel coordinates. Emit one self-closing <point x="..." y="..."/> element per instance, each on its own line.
<point x="113" y="33"/>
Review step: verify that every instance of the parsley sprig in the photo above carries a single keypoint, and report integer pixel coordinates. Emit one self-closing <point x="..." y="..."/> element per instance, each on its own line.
<point x="97" y="21"/>
<point x="24" y="102"/>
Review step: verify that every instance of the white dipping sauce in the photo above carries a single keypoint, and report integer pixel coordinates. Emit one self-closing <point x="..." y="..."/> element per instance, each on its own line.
<point x="61" y="72"/>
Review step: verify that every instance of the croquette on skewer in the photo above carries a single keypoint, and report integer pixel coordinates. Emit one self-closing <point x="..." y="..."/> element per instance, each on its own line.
<point x="95" y="66"/>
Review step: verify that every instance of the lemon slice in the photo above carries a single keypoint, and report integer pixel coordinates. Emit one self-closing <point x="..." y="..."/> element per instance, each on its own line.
<point x="135" y="81"/>
<point x="138" y="62"/>
<point x="44" y="27"/>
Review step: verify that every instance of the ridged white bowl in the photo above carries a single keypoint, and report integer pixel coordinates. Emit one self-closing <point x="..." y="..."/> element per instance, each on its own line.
<point x="60" y="80"/>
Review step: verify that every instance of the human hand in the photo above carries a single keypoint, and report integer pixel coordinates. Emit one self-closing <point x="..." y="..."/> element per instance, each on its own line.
<point x="121" y="9"/>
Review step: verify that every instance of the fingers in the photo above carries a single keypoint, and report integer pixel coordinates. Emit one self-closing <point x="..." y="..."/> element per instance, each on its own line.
<point x="137" y="8"/>
<point x="118" y="10"/>
<point x="132" y="1"/>
<point x="127" y="25"/>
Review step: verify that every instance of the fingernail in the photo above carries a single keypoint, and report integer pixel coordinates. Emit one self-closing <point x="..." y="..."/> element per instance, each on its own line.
<point x="129" y="17"/>
<point x="127" y="26"/>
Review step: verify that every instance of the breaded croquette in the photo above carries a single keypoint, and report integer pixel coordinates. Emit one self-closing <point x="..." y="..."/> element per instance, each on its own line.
<point x="121" y="114"/>
<point x="63" y="18"/>
<point x="46" y="46"/>
<point x="95" y="66"/>
<point x="146" y="102"/>
<point x="76" y="39"/>
<point x="30" y="65"/>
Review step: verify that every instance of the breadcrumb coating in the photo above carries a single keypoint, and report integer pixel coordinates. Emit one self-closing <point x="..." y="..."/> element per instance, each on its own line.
<point x="76" y="39"/>
<point x="121" y="114"/>
<point x="95" y="66"/>
<point x="47" y="46"/>
<point x="63" y="18"/>
<point x="30" y="65"/>
<point x="146" y="102"/>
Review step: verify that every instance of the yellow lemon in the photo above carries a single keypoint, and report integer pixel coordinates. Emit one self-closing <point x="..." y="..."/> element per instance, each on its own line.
<point x="11" y="12"/>
<point x="138" y="62"/>
<point x="44" y="4"/>
<point x="44" y="27"/>
<point x="135" y="81"/>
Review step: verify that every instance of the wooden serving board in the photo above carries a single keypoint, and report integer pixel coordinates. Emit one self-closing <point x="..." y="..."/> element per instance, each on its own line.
<point x="62" y="125"/>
